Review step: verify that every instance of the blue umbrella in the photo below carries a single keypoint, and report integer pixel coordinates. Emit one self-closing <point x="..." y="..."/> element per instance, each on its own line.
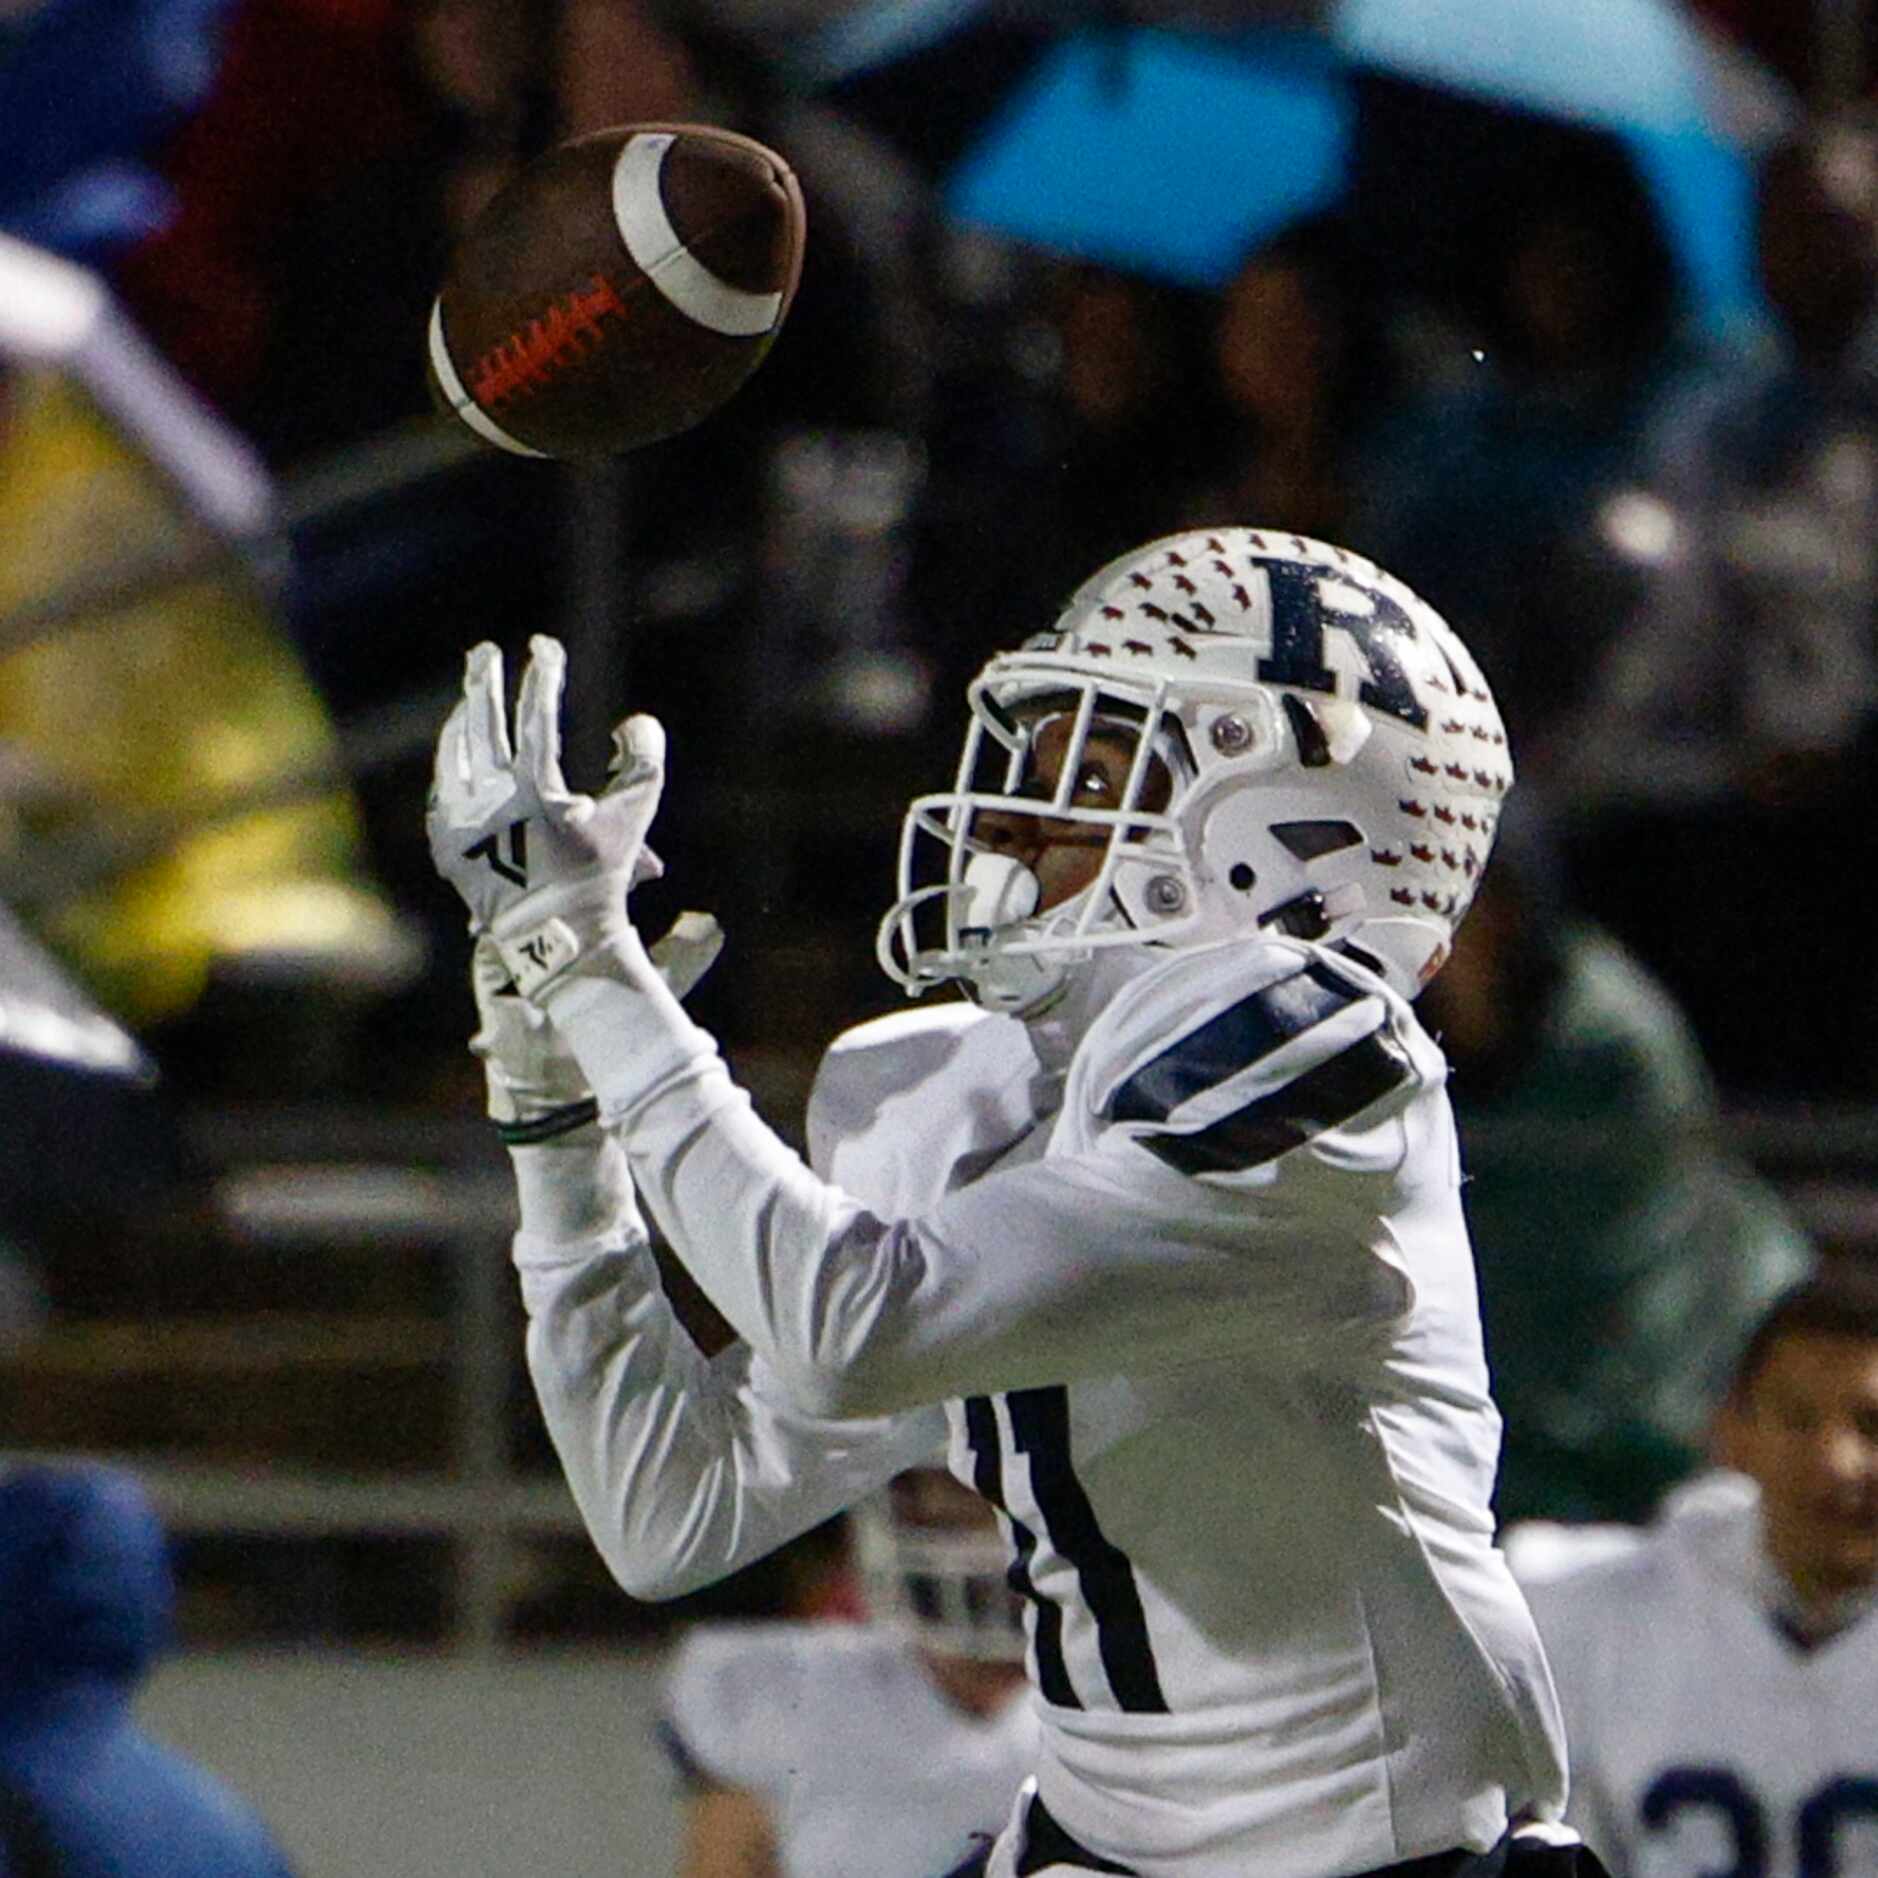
<point x="1082" y="161"/>
<point x="1637" y="69"/>
<point x="1175" y="151"/>
<point x="1622" y="64"/>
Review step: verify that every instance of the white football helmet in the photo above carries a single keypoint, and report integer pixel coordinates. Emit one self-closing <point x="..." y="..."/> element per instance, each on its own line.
<point x="1337" y="766"/>
<point x="944" y="1581"/>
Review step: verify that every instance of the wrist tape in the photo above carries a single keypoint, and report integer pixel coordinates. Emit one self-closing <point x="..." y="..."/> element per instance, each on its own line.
<point x="548" y="1127"/>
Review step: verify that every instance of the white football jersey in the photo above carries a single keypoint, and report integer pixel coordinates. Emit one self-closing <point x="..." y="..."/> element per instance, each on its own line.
<point x="865" y="1769"/>
<point x="1203" y="1317"/>
<point x="1704" y="1738"/>
<point x="1261" y="1580"/>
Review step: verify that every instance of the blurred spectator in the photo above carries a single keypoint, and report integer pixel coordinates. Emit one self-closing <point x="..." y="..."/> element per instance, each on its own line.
<point x="629" y="62"/>
<point x="1793" y="42"/>
<point x="1296" y="369"/>
<point x="1076" y="425"/>
<point x="1733" y="739"/>
<point x="306" y="95"/>
<point x="348" y="279"/>
<point x="1130" y="363"/>
<point x="85" y="1608"/>
<point x="1623" y="1253"/>
<point x="811" y="1750"/>
<point x="1482" y="486"/>
<point x="1716" y="1671"/>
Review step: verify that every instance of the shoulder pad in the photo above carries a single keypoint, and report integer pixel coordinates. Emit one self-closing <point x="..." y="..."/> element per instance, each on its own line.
<point x="866" y="1067"/>
<point x="1696" y="1512"/>
<point x="1231" y="1056"/>
<point x="1547" y="1552"/>
<point x="944" y="1018"/>
<point x="722" y="1694"/>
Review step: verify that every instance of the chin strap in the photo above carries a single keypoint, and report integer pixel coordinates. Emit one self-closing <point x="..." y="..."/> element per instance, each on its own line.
<point x="1302" y="918"/>
<point x="1312" y="913"/>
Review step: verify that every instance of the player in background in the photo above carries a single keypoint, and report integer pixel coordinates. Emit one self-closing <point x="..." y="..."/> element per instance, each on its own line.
<point x="819" y="1750"/>
<point x="1156" y="1235"/>
<point x="1719" y="1670"/>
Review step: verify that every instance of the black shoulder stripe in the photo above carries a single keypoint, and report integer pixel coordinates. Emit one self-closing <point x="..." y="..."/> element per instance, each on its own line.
<point x="1234" y="1040"/>
<point x="1309" y="1105"/>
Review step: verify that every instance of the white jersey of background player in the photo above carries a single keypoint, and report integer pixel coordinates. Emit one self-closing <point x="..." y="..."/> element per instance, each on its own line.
<point x="1719" y="1671"/>
<point x="1159" y="1239"/>
<point x="819" y="1750"/>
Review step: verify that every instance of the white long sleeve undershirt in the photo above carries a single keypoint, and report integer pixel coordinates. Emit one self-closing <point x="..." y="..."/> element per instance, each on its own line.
<point x="685" y="1468"/>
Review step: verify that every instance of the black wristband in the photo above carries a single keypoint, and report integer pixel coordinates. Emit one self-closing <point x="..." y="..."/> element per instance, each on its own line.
<point x="548" y="1127"/>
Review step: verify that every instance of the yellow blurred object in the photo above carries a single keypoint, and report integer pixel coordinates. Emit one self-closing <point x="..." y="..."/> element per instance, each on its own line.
<point x="173" y="703"/>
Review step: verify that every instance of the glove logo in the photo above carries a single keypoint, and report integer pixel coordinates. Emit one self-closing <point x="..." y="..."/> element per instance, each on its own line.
<point x="515" y="867"/>
<point x="541" y="955"/>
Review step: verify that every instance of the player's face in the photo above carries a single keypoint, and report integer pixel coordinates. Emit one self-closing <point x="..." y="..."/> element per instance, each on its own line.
<point x="943" y="1569"/>
<point x="1066" y="856"/>
<point x="1808" y="1433"/>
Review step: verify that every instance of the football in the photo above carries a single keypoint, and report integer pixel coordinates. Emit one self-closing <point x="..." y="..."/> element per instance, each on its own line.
<point x="617" y="291"/>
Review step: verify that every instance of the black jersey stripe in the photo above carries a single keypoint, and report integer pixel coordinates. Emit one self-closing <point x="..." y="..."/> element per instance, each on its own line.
<point x="1238" y="1037"/>
<point x="1308" y="1105"/>
<point x="981" y="1433"/>
<point x="1040" y="1429"/>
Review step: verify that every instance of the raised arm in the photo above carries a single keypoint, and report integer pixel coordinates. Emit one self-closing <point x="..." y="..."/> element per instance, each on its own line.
<point x="685" y="1467"/>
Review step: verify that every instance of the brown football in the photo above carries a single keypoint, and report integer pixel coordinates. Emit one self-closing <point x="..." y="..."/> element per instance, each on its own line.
<point x="618" y="290"/>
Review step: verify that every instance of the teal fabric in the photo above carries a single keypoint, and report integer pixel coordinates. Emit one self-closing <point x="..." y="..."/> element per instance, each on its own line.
<point x="1623" y="1253"/>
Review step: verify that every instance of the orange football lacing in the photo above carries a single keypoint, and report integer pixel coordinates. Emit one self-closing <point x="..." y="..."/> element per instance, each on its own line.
<point x="530" y="359"/>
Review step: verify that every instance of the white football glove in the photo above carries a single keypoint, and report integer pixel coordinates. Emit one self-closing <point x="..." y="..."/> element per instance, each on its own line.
<point x="544" y="871"/>
<point x="531" y="1075"/>
<point x="533" y="1080"/>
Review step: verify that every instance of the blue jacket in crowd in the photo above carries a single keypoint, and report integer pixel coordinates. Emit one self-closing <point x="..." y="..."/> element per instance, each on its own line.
<point x="85" y="1607"/>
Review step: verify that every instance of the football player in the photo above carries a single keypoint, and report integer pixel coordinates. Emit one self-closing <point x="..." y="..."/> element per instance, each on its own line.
<point x="813" y="1750"/>
<point x="1719" y="1671"/>
<point x="1156" y="1233"/>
